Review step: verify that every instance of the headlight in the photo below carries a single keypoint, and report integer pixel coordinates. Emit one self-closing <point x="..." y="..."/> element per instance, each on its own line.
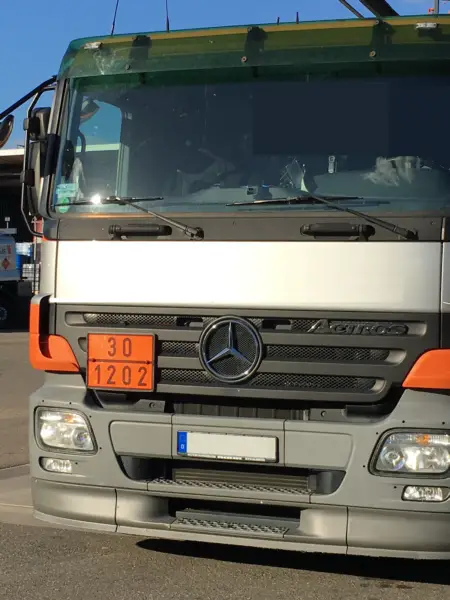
<point x="411" y="452"/>
<point x="64" y="430"/>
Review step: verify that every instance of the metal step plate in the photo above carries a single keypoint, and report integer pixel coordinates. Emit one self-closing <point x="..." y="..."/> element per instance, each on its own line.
<point x="232" y="527"/>
<point x="216" y="485"/>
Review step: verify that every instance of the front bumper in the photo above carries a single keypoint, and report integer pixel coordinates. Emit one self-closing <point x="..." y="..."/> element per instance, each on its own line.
<point x="322" y="529"/>
<point x="357" y="513"/>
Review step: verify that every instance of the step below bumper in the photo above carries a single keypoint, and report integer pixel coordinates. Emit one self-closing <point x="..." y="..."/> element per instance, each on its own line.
<point x="324" y="529"/>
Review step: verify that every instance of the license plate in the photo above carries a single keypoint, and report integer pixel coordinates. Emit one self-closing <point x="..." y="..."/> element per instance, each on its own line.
<point x="223" y="446"/>
<point x="121" y="362"/>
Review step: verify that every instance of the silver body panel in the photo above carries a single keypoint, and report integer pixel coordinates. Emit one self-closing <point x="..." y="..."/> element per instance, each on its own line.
<point x="48" y="264"/>
<point x="365" y="515"/>
<point x="445" y="297"/>
<point x="359" y="513"/>
<point x="282" y="275"/>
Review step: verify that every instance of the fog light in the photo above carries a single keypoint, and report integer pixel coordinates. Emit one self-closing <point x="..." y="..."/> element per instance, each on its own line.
<point x="409" y="452"/>
<point x="64" y="430"/>
<point x="418" y="493"/>
<point x="57" y="465"/>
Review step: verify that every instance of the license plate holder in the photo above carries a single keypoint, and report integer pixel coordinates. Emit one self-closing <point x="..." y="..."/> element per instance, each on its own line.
<point x="121" y="362"/>
<point x="227" y="446"/>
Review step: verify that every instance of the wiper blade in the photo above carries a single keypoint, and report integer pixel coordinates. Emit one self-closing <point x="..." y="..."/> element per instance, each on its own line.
<point x="306" y="199"/>
<point x="192" y="232"/>
<point x="407" y="234"/>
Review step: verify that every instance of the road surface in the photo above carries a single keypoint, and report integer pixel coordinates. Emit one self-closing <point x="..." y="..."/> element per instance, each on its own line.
<point x="41" y="562"/>
<point x="17" y="381"/>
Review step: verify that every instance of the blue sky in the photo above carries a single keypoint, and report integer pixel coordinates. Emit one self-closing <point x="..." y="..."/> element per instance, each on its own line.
<point x="34" y="35"/>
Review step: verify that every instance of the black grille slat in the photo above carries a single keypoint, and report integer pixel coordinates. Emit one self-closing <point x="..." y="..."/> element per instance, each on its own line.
<point x="128" y="320"/>
<point x="138" y="320"/>
<point x="326" y="353"/>
<point x="240" y="412"/>
<point x="152" y="321"/>
<point x="187" y="349"/>
<point x="286" y="381"/>
<point x="285" y="352"/>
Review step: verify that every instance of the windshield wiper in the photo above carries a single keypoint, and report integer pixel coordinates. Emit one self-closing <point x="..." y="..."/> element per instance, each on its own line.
<point x="407" y="234"/>
<point x="192" y="232"/>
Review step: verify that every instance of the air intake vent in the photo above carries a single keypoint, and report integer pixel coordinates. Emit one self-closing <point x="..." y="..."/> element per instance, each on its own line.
<point x="273" y="380"/>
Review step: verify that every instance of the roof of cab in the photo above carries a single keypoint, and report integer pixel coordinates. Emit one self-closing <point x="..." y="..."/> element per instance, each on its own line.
<point x="201" y="48"/>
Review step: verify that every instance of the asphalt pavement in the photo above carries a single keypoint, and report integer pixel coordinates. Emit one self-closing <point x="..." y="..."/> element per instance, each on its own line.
<point x="17" y="381"/>
<point x="38" y="561"/>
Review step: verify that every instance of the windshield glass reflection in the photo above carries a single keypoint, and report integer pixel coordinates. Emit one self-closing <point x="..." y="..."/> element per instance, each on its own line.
<point x="203" y="146"/>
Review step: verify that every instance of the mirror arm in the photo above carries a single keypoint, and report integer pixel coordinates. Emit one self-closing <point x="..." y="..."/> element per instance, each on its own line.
<point x="42" y="87"/>
<point x="28" y="176"/>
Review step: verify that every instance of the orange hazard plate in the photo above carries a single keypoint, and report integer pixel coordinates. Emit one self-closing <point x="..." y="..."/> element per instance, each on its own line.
<point x="121" y="362"/>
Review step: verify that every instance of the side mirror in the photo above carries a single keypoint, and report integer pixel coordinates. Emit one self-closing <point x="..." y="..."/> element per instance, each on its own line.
<point x="37" y="124"/>
<point x="36" y="128"/>
<point x="6" y="127"/>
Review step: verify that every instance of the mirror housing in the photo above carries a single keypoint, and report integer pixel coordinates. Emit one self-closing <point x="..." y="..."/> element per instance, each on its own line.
<point x="36" y="128"/>
<point x="6" y="127"/>
<point x="37" y="124"/>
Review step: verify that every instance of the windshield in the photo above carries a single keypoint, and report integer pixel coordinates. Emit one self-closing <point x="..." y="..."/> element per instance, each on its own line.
<point x="218" y="138"/>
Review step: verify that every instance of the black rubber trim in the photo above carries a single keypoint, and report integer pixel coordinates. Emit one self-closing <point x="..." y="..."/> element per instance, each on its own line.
<point x="445" y="330"/>
<point x="51" y="161"/>
<point x="247" y="226"/>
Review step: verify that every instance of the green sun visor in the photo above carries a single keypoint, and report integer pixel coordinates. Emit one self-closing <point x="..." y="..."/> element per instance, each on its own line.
<point x="351" y="41"/>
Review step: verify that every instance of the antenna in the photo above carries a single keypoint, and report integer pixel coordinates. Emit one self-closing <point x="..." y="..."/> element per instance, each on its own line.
<point x="113" y="26"/>
<point x="167" y="16"/>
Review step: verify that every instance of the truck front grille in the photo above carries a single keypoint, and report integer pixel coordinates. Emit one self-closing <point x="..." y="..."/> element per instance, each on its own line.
<point x="307" y="356"/>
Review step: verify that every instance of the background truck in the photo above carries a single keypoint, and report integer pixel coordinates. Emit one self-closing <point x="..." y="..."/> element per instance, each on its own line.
<point x="243" y="311"/>
<point x="17" y="273"/>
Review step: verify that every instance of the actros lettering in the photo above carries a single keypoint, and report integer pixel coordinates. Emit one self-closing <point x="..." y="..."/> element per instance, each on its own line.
<point x="361" y="328"/>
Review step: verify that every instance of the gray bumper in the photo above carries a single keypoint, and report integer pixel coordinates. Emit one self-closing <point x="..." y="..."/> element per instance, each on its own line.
<point x="364" y="515"/>
<point x="321" y="529"/>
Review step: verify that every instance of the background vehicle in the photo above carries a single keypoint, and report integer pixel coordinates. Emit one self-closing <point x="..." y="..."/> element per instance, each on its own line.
<point x="17" y="272"/>
<point x="244" y="291"/>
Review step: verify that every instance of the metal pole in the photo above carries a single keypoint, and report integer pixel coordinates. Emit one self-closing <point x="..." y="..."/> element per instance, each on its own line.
<point x="436" y="7"/>
<point x="351" y="9"/>
<point x="380" y="8"/>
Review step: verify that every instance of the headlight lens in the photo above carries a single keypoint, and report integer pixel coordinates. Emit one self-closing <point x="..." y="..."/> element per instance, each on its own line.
<point x="414" y="453"/>
<point x="64" y="430"/>
<point x="57" y="465"/>
<point x="418" y="493"/>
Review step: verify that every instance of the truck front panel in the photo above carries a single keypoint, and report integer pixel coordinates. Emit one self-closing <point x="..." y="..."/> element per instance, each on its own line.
<point x="389" y="277"/>
<point x="244" y="299"/>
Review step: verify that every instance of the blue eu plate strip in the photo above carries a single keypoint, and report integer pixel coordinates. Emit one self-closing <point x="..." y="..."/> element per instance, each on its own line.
<point x="182" y="442"/>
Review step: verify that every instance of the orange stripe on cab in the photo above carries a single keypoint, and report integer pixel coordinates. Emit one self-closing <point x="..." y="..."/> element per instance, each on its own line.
<point x="48" y="352"/>
<point x="430" y="371"/>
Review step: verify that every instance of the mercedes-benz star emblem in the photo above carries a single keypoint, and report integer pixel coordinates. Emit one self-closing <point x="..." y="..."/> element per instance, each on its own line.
<point x="230" y="349"/>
